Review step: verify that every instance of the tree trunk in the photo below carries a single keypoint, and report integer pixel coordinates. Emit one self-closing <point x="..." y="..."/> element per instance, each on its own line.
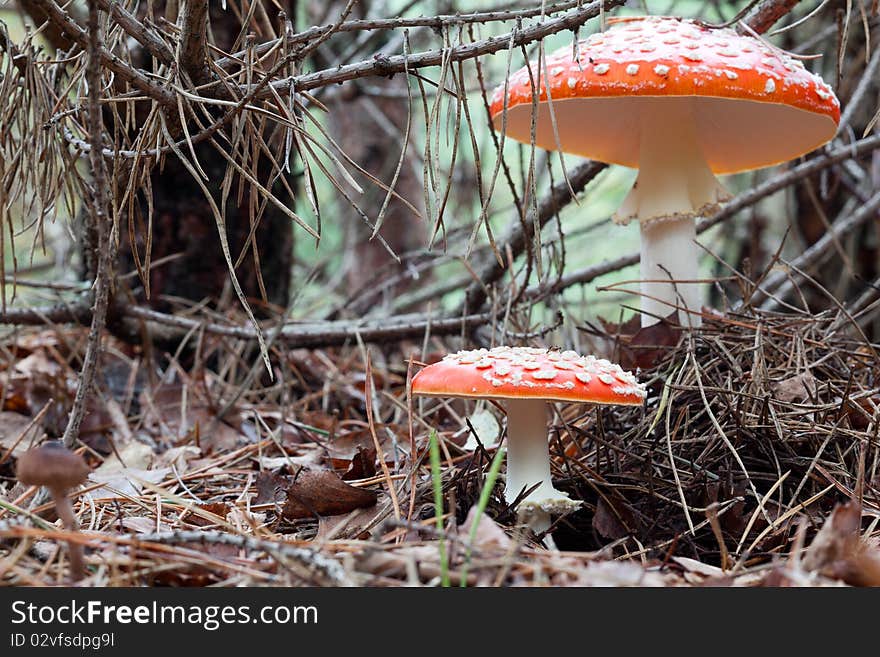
<point x="185" y="238"/>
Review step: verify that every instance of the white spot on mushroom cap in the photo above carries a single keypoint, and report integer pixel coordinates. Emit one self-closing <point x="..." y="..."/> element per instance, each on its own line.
<point x="545" y="375"/>
<point x="662" y="70"/>
<point x="601" y="69"/>
<point x="632" y="69"/>
<point x="770" y="87"/>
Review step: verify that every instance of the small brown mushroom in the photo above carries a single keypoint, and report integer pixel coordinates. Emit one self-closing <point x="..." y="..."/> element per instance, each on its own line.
<point x="57" y="468"/>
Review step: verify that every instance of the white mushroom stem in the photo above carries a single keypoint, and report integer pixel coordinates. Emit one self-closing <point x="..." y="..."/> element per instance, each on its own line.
<point x="674" y="186"/>
<point x="528" y="464"/>
<point x="669" y="255"/>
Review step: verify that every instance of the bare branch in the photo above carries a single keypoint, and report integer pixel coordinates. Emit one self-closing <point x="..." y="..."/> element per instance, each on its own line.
<point x="518" y="233"/>
<point x="138" y="30"/>
<point x="52" y="33"/>
<point x="122" y="70"/>
<point x="100" y="220"/>
<point x="817" y="253"/>
<point x="70" y="313"/>
<point x="765" y="14"/>
<point x="192" y="52"/>
<point x="433" y="22"/>
<point x="386" y="66"/>
<point x="172" y="329"/>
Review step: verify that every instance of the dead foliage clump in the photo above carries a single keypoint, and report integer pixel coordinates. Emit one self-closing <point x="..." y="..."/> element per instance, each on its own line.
<point x="755" y="430"/>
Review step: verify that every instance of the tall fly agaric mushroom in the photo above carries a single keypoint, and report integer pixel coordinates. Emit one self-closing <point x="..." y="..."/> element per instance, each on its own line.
<point x="525" y="379"/>
<point x="681" y="102"/>
<point x="57" y="468"/>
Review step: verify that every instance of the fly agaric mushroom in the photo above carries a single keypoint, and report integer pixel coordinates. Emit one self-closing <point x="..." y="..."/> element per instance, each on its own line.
<point x="680" y="102"/>
<point x="57" y="468"/>
<point x="524" y="379"/>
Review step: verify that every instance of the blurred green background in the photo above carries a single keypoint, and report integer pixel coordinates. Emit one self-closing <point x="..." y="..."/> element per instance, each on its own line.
<point x="590" y="237"/>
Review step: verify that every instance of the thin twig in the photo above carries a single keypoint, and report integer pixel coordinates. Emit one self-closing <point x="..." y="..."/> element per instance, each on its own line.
<point x="98" y="208"/>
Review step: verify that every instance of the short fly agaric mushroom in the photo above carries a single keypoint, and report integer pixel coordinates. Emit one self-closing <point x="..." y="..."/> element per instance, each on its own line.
<point x="524" y="379"/>
<point x="680" y="102"/>
<point x="57" y="468"/>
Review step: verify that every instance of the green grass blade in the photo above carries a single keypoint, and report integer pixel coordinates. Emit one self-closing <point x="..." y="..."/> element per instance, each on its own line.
<point x="436" y="480"/>
<point x="482" y="503"/>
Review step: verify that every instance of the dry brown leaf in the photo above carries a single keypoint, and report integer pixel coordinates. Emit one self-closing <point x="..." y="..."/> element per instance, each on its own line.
<point x="345" y="446"/>
<point x="362" y="464"/>
<point x="643" y="347"/>
<point x="293" y="463"/>
<point x="698" y="567"/>
<point x="607" y="523"/>
<point x="347" y="525"/>
<point x="270" y="488"/>
<point x="38" y="363"/>
<point x="179" y="458"/>
<point x="142" y="525"/>
<point x="489" y="535"/>
<point x="12" y="433"/>
<point x="798" y="388"/>
<point x="219" y="509"/>
<point x="838" y="551"/>
<point x="617" y="574"/>
<point x="323" y="493"/>
<point x="173" y="413"/>
<point x="125" y="472"/>
<point x="862" y="412"/>
<point x="486" y="426"/>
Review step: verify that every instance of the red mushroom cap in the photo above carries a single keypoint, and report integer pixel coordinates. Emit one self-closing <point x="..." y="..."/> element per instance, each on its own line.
<point x="528" y="373"/>
<point x="754" y="105"/>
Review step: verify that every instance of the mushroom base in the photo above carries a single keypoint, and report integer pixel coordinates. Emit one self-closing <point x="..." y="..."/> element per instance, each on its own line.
<point x="537" y="514"/>
<point x="550" y="500"/>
